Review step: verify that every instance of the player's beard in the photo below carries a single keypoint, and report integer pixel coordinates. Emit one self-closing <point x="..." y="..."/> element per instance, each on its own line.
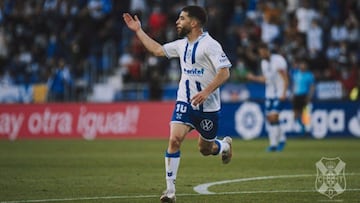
<point x="183" y="32"/>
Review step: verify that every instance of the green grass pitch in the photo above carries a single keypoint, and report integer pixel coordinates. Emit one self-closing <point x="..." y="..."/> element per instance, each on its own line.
<point x="120" y="171"/>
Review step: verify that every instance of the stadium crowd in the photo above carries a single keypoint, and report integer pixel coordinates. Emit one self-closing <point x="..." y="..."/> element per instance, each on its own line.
<point x="71" y="45"/>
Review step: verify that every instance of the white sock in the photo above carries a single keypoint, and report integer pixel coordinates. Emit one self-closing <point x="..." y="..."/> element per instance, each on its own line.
<point x="222" y="146"/>
<point x="172" y="162"/>
<point x="273" y="133"/>
<point x="282" y="136"/>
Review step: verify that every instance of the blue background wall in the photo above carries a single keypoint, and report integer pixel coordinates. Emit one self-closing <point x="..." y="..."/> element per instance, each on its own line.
<point x="327" y="118"/>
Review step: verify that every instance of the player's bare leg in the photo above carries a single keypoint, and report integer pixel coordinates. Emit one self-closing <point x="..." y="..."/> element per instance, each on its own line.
<point x="216" y="147"/>
<point x="172" y="159"/>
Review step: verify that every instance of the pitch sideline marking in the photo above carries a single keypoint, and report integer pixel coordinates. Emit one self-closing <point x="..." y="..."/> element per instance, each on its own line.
<point x="156" y="196"/>
<point x="201" y="188"/>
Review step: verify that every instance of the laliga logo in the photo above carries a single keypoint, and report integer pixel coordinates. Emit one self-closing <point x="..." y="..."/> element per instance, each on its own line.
<point x="249" y="120"/>
<point x="354" y="124"/>
<point x="330" y="179"/>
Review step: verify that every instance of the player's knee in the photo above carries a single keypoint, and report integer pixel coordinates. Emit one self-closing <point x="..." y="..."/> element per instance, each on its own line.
<point x="174" y="143"/>
<point x="273" y="120"/>
<point x="205" y="151"/>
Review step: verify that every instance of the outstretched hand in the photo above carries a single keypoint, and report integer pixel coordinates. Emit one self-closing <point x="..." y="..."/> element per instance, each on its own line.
<point x="133" y="24"/>
<point x="250" y="76"/>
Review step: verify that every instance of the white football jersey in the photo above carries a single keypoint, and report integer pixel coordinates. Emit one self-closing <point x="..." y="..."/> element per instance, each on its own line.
<point x="274" y="83"/>
<point x="199" y="61"/>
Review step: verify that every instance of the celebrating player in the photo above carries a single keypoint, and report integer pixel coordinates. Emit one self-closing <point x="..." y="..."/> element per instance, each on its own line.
<point x="274" y="75"/>
<point x="204" y="67"/>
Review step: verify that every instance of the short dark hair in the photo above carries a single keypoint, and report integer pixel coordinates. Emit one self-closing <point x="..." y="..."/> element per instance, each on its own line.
<point x="196" y="12"/>
<point x="263" y="45"/>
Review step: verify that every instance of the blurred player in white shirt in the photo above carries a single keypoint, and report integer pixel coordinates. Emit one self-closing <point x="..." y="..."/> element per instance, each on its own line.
<point x="204" y="67"/>
<point x="275" y="77"/>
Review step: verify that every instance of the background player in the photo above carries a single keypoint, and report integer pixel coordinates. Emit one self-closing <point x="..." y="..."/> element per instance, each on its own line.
<point x="204" y="67"/>
<point x="303" y="82"/>
<point x="274" y="75"/>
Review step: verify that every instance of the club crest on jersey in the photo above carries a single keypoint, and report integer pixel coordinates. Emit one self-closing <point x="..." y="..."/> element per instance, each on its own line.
<point x="206" y="124"/>
<point x="330" y="179"/>
<point x="178" y="116"/>
<point x="223" y="58"/>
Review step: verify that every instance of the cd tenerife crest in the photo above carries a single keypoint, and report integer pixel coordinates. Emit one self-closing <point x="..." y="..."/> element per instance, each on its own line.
<point x="330" y="179"/>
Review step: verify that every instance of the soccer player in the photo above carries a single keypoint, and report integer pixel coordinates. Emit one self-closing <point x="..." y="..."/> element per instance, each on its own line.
<point x="204" y="67"/>
<point x="274" y="75"/>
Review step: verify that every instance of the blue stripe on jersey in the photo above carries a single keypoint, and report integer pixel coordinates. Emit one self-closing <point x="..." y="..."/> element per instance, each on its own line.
<point x="193" y="52"/>
<point x="186" y="47"/>
<point x="198" y="87"/>
<point x="187" y="90"/>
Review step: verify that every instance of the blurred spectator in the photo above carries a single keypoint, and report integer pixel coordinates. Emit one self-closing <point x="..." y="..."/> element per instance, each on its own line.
<point x="3" y="43"/>
<point x="239" y="71"/>
<point x="348" y="74"/>
<point x="338" y="32"/>
<point x="314" y="39"/>
<point x="214" y="26"/>
<point x="99" y="8"/>
<point x="90" y="37"/>
<point x="155" y="80"/>
<point x="304" y="15"/>
<point x="291" y="6"/>
<point x="352" y="27"/>
<point x="5" y="78"/>
<point x="157" y="23"/>
<point x="239" y="15"/>
<point x="130" y="67"/>
<point x="333" y="51"/>
<point x="270" y="31"/>
<point x="139" y="6"/>
<point x="60" y="82"/>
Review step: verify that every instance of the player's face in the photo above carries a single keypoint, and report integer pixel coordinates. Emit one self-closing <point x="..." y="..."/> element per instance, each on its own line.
<point x="302" y="66"/>
<point x="264" y="53"/>
<point x="183" y="24"/>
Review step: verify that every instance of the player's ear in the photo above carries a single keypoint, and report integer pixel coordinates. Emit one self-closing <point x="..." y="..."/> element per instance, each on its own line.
<point x="194" y="22"/>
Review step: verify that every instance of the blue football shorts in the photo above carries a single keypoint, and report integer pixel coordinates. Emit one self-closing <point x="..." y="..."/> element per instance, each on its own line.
<point x="273" y="106"/>
<point x="206" y="123"/>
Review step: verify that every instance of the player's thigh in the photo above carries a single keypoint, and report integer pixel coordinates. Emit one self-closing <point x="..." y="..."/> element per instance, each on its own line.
<point x="178" y="131"/>
<point x="273" y="117"/>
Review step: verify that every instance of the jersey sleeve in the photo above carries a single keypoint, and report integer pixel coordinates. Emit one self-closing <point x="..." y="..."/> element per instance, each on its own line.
<point x="281" y="63"/>
<point x="217" y="56"/>
<point x="171" y="49"/>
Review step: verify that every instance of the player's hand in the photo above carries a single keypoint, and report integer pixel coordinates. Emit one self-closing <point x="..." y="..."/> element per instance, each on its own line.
<point x="283" y="97"/>
<point x="133" y="24"/>
<point x="199" y="98"/>
<point x="250" y="76"/>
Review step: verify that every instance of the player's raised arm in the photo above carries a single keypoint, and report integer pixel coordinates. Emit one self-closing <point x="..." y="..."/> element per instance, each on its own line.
<point x="256" y="78"/>
<point x="151" y="45"/>
<point x="283" y="75"/>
